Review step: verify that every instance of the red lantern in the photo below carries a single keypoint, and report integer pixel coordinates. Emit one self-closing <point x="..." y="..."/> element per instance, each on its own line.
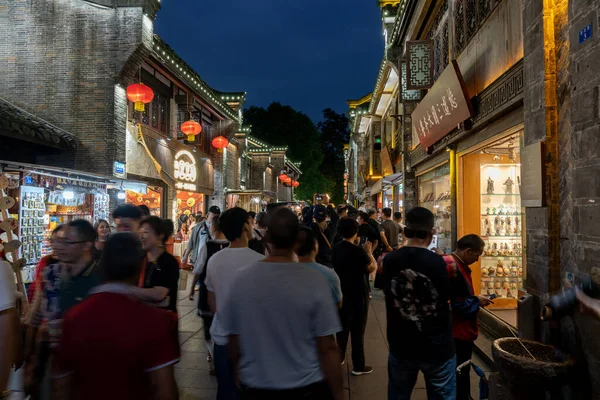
<point x="296" y="184"/>
<point x="139" y="94"/>
<point x="191" y="129"/>
<point x="284" y="178"/>
<point x="220" y="143"/>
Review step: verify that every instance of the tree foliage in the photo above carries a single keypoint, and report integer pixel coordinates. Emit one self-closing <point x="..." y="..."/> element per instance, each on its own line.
<point x="334" y="134"/>
<point x="281" y="125"/>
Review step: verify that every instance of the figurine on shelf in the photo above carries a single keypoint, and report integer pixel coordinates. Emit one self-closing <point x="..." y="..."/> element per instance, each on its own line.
<point x="484" y="273"/>
<point x="505" y="285"/>
<point x="508" y="224"/>
<point x="494" y="211"/>
<point x="500" y="268"/>
<point x="486" y="225"/>
<point x="491" y="271"/>
<point x="508" y="186"/>
<point x="487" y="211"/>
<point x="501" y="209"/>
<point x="495" y="249"/>
<point x="509" y="294"/>
<point x="514" y="269"/>
<point x="520" y="271"/>
<point x="506" y="271"/>
<point x="513" y="285"/>
<point x="490" y="285"/>
<point x="490" y="186"/>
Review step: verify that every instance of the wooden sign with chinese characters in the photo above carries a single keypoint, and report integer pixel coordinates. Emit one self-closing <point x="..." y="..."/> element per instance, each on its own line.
<point x="445" y="106"/>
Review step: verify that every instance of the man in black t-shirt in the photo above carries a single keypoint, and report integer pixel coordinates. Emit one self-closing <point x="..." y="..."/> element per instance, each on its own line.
<point x="365" y="230"/>
<point x="353" y="265"/>
<point x="417" y="291"/>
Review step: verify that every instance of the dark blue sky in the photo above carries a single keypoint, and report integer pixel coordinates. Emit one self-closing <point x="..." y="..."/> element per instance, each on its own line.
<point x="310" y="54"/>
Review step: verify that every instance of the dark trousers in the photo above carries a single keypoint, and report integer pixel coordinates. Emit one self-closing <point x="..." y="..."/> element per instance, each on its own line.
<point x="354" y="322"/>
<point x="316" y="391"/>
<point x="227" y="389"/>
<point x="464" y="350"/>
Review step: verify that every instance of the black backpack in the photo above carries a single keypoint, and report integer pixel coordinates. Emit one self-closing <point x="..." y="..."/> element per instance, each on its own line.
<point x="258" y="245"/>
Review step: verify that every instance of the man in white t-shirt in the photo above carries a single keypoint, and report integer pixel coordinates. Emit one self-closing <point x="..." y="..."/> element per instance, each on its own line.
<point x="9" y="324"/>
<point x="236" y="225"/>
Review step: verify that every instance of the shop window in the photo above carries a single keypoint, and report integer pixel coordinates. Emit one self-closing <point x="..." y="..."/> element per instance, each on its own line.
<point x="491" y="207"/>
<point x="155" y="114"/>
<point x="152" y="198"/>
<point x="434" y="194"/>
<point x="188" y="203"/>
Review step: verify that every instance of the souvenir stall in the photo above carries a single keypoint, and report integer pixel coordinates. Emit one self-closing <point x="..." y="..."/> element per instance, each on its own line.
<point x="45" y="200"/>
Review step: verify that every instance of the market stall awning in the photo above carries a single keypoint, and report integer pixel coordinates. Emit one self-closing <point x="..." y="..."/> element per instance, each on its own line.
<point x="377" y="187"/>
<point x="22" y="125"/>
<point x="393" y="179"/>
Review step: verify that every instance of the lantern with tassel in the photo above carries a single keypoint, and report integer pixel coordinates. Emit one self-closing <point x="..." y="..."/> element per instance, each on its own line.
<point x="139" y="94"/>
<point x="191" y="129"/>
<point x="220" y="143"/>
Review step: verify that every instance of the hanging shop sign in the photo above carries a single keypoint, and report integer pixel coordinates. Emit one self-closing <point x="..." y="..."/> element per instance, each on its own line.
<point x="119" y="170"/>
<point x="63" y="183"/>
<point x="444" y="107"/>
<point x="186" y="172"/>
<point x="420" y="64"/>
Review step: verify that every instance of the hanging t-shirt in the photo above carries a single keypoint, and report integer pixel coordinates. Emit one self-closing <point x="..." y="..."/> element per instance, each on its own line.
<point x="417" y="292"/>
<point x="8" y="287"/>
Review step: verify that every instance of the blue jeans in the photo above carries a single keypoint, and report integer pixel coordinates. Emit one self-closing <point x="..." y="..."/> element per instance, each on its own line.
<point x="440" y="378"/>
<point x="227" y="389"/>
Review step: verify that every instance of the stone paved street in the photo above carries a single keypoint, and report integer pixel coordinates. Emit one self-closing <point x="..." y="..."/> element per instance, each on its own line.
<point x="196" y="383"/>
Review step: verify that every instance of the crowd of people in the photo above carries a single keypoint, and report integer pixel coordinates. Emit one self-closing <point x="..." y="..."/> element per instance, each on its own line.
<point x="280" y="296"/>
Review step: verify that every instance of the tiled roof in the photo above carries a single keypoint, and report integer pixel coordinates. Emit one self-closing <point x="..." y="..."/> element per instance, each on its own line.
<point x="20" y="124"/>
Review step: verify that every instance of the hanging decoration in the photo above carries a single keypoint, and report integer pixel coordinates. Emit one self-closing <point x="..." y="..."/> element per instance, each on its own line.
<point x="191" y="129"/>
<point x="295" y="184"/>
<point x="139" y="94"/>
<point x="220" y="143"/>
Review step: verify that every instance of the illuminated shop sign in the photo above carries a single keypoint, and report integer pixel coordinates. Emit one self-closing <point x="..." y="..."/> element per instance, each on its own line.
<point x="185" y="171"/>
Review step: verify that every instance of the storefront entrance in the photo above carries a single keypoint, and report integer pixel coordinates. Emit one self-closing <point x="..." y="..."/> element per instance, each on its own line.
<point x="489" y="203"/>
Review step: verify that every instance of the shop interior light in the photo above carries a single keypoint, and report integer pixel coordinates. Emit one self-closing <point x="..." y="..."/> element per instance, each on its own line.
<point x="121" y="195"/>
<point x="68" y="194"/>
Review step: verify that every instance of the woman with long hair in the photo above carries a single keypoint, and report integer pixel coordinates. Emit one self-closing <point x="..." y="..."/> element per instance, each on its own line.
<point x="160" y="275"/>
<point x="102" y="229"/>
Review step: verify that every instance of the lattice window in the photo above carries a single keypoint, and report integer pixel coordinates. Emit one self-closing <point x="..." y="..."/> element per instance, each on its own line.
<point x="471" y="19"/>
<point x="439" y="33"/>
<point x="155" y="115"/>
<point x="469" y="16"/>
<point x="459" y="25"/>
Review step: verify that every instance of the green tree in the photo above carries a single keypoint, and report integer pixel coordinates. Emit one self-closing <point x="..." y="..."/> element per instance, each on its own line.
<point x="281" y="125"/>
<point x="334" y="134"/>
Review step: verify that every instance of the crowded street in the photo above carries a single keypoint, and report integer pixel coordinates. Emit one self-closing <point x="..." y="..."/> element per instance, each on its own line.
<point x="315" y="200"/>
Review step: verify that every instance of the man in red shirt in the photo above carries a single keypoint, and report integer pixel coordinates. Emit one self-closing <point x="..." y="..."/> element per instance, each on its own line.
<point x="465" y="305"/>
<point x="113" y="346"/>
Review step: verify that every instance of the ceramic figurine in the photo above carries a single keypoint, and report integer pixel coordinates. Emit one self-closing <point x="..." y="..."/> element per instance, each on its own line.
<point x="505" y="285"/>
<point x="494" y="211"/>
<point x="497" y="285"/>
<point x="484" y="272"/>
<point x="514" y="269"/>
<point x="520" y="271"/>
<point x="508" y="186"/>
<point x="490" y="285"/>
<point x="487" y="211"/>
<point x="506" y="271"/>
<point x="513" y="285"/>
<point x="490" y="186"/>
<point x="509" y="294"/>
<point x="500" y="268"/>
<point x="492" y="271"/>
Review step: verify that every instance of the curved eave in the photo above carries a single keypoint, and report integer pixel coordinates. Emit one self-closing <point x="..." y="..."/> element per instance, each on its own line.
<point x="178" y="67"/>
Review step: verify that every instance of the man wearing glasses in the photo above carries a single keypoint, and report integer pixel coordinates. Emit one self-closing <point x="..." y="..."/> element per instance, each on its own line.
<point x="64" y="285"/>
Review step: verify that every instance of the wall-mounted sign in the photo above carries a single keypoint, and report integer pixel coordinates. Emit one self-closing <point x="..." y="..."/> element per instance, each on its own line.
<point x="186" y="171"/>
<point x="119" y="170"/>
<point x="445" y="106"/>
<point x="585" y="33"/>
<point x="531" y="184"/>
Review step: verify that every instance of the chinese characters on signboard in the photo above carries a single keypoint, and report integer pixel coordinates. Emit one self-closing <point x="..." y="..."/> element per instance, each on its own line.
<point x="444" y="107"/>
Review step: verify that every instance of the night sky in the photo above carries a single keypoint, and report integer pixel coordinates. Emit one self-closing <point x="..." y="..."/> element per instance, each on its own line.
<point x="309" y="54"/>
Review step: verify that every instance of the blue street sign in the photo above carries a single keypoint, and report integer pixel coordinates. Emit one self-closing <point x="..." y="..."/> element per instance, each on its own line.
<point x="585" y="33"/>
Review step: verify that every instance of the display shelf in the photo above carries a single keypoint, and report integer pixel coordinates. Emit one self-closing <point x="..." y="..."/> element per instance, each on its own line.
<point x="497" y="257"/>
<point x="501" y="194"/>
<point x="501" y="215"/>
<point x="507" y="237"/>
